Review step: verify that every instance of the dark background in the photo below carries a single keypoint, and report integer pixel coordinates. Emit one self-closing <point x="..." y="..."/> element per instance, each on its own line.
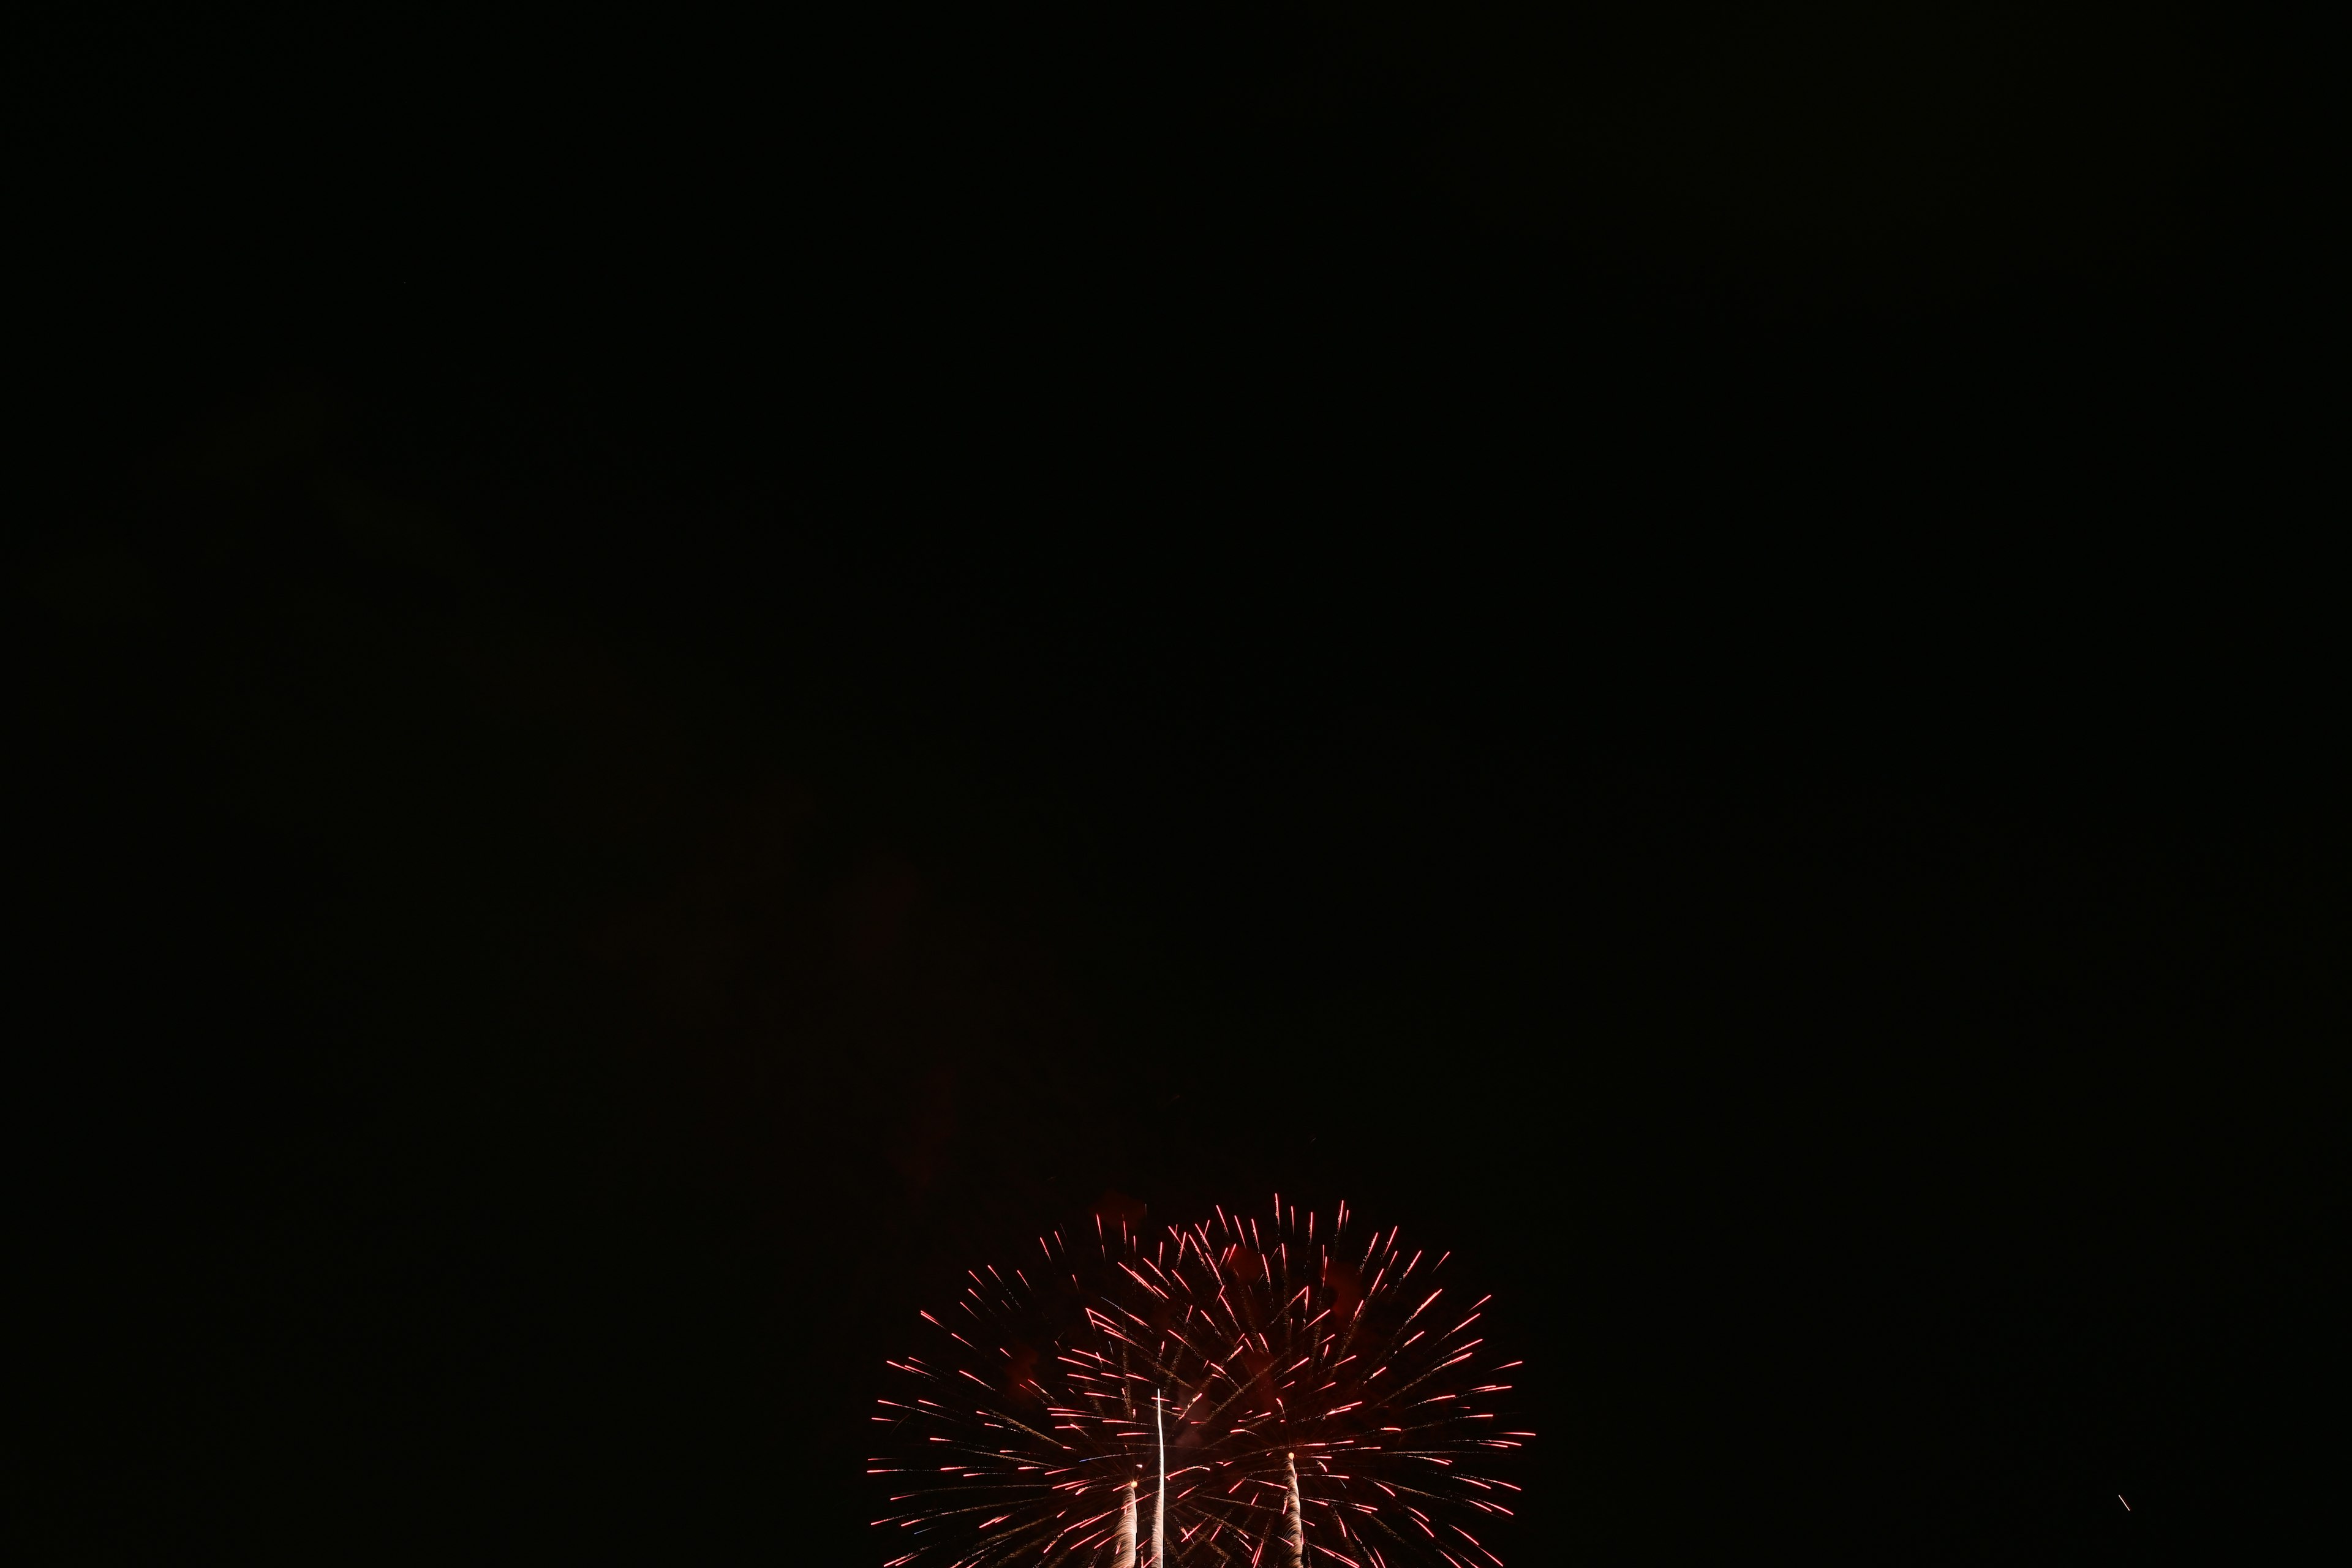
<point x="674" y="676"/>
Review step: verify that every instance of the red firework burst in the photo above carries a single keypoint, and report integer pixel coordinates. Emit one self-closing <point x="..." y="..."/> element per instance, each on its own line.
<point x="1234" y="1392"/>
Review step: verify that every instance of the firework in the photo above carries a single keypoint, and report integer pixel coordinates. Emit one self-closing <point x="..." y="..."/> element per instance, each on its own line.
<point x="1243" y="1391"/>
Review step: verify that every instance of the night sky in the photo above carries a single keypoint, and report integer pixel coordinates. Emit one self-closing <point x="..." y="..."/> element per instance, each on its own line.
<point x="676" y="677"/>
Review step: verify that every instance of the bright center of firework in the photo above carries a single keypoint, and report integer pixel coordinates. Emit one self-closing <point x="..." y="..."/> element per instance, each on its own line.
<point x="1234" y="1392"/>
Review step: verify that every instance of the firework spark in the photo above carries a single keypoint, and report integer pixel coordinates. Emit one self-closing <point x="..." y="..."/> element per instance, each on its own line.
<point x="1291" y="1394"/>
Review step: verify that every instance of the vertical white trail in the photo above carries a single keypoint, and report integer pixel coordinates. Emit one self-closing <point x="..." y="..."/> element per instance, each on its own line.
<point x="1160" y="1508"/>
<point x="1123" y="1544"/>
<point x="1294" y="1526"/>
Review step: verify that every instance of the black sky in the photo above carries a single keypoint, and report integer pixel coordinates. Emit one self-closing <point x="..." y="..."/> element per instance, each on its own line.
<point x="676" y="677"/>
